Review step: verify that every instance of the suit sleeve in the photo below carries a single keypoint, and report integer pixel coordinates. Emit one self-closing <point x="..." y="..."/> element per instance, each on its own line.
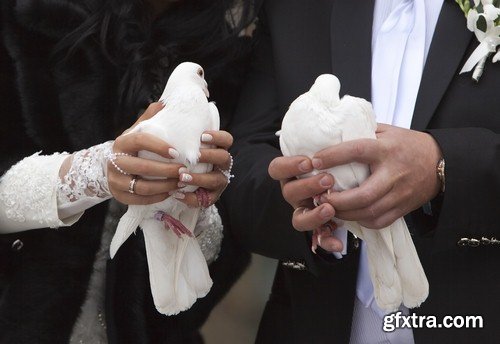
<point x="471" y="201"/>
<point x="259" y="216"/>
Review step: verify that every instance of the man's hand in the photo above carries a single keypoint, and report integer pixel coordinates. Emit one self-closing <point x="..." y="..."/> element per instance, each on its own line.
<point x="300" y="192"/>
<point x="403" y="166"/>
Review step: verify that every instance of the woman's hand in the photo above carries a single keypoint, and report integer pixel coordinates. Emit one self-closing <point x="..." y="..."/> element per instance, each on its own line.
<point x="142" y="191"/>
<point x="213" y="182"/>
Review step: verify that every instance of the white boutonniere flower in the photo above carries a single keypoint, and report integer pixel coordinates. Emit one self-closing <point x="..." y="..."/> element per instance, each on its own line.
<point x="484" y="20"/>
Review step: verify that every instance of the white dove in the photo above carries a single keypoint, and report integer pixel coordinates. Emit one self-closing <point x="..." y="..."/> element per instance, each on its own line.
<point x="319" y="119"/>
<point x="178" y="271"/>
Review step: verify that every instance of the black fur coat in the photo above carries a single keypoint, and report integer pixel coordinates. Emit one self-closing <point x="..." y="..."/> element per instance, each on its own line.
<point x="67" y="107"/>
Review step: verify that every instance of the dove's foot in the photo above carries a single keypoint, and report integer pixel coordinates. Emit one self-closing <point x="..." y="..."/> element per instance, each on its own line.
<point x="317" y="200"/>
<point x="324" y="231"/>
<point x="203" y="197"/>
<point x="172" y="223"/>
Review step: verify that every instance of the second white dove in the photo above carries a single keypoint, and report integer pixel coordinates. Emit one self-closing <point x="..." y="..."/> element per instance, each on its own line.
<point x="319" y="119"/>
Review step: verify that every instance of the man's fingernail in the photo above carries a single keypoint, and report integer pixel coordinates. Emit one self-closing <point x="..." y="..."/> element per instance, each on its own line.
<point x="206" y="138"/>
<point x="325" y="182"/>
<point x="335" y="248"/>
<point x="181" y="185"/>
<point x="173" y="153"/>
<point x="186" y="178"/>
<point x="317" y="163"/>
<point x="304" y="166"/>
<point x="326" y="213"/>
<point x="183" y="170"/>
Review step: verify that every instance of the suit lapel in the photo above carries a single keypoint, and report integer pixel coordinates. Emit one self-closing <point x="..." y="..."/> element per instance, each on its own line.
<point x="351" y="41"/>
<point x="450" y="41"/>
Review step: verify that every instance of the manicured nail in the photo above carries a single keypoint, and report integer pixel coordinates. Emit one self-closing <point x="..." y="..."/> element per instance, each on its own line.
<point x="179" y="195"/>
<point x="317" y="163"/>
<point x="183" y="170"/>
<point x="325" y="182"/>
<point x="186" y="178"/>
<point x="326" y="213"/>
<point x="181" y="185"/>
<point x="304" y="166"/>
<point x="206" y="138"/>
<point x="173" y="153"/>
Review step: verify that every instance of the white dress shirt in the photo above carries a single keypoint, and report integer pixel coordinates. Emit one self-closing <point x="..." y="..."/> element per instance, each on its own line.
<point x="401" y="37"/>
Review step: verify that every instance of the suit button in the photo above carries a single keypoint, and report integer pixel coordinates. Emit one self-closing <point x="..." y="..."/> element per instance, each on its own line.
<point x="463" y="242"/>
<point x="17" y="245"/>
<point x="474" y="243"/>
<point x="485" y="241"/>
<point x="355" y="243"/>
<point x="294" y="265"/>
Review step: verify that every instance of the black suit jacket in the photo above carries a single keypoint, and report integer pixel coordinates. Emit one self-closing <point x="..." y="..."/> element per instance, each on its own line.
<point x="302" y="39"/>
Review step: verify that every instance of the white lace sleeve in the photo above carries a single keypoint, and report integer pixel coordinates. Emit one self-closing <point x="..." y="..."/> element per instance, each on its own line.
<point x="84" y="183"/>
<point x="28" y="197"/>
<point x="208" y="231"/>
<point x="53" y="190"/>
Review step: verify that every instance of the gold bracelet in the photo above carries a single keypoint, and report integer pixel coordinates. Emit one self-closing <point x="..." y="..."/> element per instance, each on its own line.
<point x="440" y="172"/>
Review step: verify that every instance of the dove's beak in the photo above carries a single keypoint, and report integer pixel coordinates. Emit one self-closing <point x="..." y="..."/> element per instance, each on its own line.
<point x="205" y="89"/>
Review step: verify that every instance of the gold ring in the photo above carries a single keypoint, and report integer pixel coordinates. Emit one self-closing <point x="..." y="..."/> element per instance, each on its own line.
<point x="131" y="185"/>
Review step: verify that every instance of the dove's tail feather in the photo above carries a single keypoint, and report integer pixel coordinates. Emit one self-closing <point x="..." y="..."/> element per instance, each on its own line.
<point x="413" y="280"/>
<point x="161" y="245"/>
<point x="177" y="268"/>
<point x="127" y="225"/>
<point x="192" y="278"/>
<point x="387" y="287"/>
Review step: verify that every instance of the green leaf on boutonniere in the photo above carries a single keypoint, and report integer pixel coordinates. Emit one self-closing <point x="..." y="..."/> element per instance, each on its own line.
<point x="481" y="23"/>
<point x="480" y="8"/>
<point x="467" y="7"/>
<point x="464" y="5"/>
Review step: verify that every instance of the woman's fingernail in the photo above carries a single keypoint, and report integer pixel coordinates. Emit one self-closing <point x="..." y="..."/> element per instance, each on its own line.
<point x="186" y="178"/>
<point x="181" y="185"/>
<point x="317" y="163"/>
<point x="206" y="138"/>
<point x="173" y="153"/>
<point x="183" y="170"/>
<point x="326" y="213"/>
<point x="325" y="182"/>
<point x="304" y="166"/>
<point x="179" y="195"/>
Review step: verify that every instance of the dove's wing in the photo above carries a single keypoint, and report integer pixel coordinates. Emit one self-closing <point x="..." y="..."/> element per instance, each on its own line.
<point x="214" y="116"/>
<point x="306" y="128"/>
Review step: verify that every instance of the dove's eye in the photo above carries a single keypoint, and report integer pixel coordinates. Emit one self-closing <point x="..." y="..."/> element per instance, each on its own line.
<point x="200" y="72"/>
